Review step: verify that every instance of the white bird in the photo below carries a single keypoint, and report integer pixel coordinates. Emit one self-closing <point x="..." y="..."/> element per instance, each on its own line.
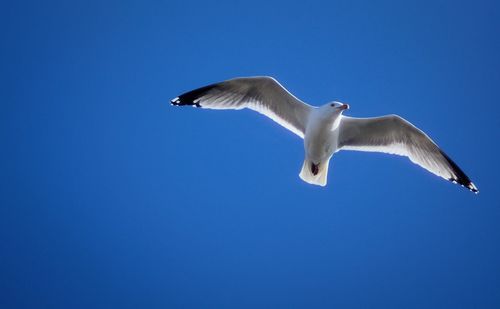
<point x="324" y="129"/>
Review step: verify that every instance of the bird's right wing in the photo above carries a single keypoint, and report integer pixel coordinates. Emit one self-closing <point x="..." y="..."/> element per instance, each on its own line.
<point x="393" y="134"/>
<point x="262" y="94"/>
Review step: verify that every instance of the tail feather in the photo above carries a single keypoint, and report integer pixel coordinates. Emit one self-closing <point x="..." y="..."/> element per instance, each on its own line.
<point x="315" y="174"/>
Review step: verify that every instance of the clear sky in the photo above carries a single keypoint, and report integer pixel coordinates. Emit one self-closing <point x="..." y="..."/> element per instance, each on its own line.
<point x="112" y="198"/>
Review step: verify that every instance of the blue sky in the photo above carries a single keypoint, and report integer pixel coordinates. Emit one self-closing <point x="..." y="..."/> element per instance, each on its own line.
<point x="110" y="197"/>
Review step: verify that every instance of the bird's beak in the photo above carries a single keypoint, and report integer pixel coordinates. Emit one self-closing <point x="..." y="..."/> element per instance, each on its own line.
<point x="345" y="106"/>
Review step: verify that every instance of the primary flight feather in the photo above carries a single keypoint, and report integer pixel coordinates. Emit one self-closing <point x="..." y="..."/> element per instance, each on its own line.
<point x="324" y="129"/>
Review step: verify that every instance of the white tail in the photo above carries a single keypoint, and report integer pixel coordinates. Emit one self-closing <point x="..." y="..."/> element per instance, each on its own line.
<point x="318" y="178"/>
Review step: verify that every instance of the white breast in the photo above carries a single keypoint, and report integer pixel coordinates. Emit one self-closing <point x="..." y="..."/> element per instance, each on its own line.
<point x="321" y="138"/>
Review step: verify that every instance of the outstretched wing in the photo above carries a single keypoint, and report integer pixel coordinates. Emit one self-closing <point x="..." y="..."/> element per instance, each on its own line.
<point x="393" y="134"/>
<point x="262" y="94"/>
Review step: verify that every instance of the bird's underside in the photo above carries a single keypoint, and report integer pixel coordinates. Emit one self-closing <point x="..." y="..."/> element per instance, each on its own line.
<point x="389" y="134"/>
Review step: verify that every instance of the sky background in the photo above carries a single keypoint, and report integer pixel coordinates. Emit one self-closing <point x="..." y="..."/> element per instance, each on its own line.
<point x="112" y="198"/>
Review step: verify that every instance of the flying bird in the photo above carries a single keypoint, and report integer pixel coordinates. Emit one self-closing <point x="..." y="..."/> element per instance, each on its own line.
<point x="325" y="129"/>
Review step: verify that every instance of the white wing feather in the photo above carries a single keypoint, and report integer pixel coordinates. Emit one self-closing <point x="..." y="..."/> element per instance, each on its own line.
<point x="262" y="94"/>
<point x="393" y="134"/>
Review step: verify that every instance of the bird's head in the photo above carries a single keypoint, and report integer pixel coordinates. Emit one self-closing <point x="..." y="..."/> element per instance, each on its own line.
<point x="336" y="107"/>
<point x="332" y="111"/>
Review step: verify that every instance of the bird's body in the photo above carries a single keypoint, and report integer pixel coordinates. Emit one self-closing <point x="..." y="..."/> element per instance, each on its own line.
<point x="322" y="132"/>
<point x="325" y="129"/>
<point x="320" y="143"/>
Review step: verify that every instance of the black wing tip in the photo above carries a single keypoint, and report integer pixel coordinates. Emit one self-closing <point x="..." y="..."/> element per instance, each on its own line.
<point x="460" y="177"/>
<point x="468" y="185"/>
<point x="179" y="101"/>
<point x="192" y="97"/>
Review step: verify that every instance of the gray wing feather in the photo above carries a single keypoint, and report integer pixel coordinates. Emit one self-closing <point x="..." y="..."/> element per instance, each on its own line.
<point x="262" y="94"/>
<point x="393" y="134"/>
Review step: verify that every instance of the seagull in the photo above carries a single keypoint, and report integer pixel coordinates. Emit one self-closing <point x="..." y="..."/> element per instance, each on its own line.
<point x="324" y="129"/>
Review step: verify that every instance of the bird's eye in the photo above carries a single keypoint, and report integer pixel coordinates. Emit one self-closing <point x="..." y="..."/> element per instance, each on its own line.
<point x="332" y="105"/>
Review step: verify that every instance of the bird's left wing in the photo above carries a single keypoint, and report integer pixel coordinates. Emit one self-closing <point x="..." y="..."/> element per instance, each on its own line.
<point x="393" y="134"/>
<point x="262" y="94"/>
